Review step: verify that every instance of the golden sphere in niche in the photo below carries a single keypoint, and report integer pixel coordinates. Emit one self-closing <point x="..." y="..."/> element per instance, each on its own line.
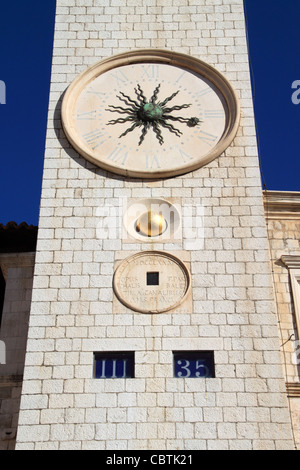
<point x="151" y="224"/>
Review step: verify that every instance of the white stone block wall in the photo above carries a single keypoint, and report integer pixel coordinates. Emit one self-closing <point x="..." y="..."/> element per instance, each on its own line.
<point x="234" y="314"/>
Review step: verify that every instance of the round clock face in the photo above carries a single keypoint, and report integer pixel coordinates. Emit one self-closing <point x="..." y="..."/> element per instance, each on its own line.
<point x="151" y="114"/>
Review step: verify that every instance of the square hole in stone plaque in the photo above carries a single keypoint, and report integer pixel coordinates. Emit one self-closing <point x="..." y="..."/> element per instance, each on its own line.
<point x="153" y="279"/>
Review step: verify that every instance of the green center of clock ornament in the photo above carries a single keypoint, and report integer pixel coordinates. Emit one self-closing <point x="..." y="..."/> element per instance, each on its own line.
<point x="149" y="114"/>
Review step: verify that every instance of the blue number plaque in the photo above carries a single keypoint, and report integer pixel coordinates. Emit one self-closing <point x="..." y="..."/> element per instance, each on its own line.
<point x="118" y="365"/>
<point x="194" y="364"/>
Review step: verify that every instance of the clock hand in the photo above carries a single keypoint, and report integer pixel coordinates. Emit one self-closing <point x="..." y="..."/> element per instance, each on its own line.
<point x="191" y="122"/>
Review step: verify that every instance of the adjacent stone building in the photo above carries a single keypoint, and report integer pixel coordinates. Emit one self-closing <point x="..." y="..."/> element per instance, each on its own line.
<point x="17" y="254"/>
<point x="104" y="370"/>
<point x="283" y="226"/>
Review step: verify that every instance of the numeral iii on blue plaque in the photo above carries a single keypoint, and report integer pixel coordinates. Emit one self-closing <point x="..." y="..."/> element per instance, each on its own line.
<point x="114" y="365"/>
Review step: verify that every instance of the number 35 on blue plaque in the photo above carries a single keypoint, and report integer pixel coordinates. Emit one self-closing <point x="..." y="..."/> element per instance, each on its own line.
<point x="193" y="364"/>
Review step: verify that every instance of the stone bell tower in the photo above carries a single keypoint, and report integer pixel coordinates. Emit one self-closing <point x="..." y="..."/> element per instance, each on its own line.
<point x="153" y="323"/>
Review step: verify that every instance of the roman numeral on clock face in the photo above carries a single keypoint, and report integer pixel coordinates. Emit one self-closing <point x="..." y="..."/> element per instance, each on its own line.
<point x="214" y="113"/>
<point x="92" y="138"/>
<point x="97" y="93"/>
<point x="208" y="138"/>
<point x="151" y="161"/>
<point x="87" y="116"/>
<point x="203" y="92"/>
<point x="185" y="156"/>
<point x="150" y="71"/>
<point x="119" y="77"/>
<point x="118" y="156"/>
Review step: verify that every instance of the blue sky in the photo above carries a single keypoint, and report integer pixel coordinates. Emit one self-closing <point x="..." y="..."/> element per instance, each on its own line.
<point x="26" y="35"/>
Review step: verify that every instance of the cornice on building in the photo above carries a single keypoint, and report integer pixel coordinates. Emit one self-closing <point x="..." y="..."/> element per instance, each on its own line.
<point x="282" y="204"/>
<point x="291" y="261"/>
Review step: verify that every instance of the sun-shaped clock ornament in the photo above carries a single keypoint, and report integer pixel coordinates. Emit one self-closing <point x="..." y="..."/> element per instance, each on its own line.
<point x="150" y="114"/>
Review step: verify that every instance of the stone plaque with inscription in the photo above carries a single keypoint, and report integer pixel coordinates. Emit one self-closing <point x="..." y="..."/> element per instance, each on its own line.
<point x="152" y="282"/>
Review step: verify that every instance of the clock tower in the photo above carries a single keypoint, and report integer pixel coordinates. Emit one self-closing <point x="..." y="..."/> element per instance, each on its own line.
<point x="153" y="323"/>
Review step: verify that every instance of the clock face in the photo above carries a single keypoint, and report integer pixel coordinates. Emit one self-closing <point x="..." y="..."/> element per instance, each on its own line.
<point x="150" y="118"/>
